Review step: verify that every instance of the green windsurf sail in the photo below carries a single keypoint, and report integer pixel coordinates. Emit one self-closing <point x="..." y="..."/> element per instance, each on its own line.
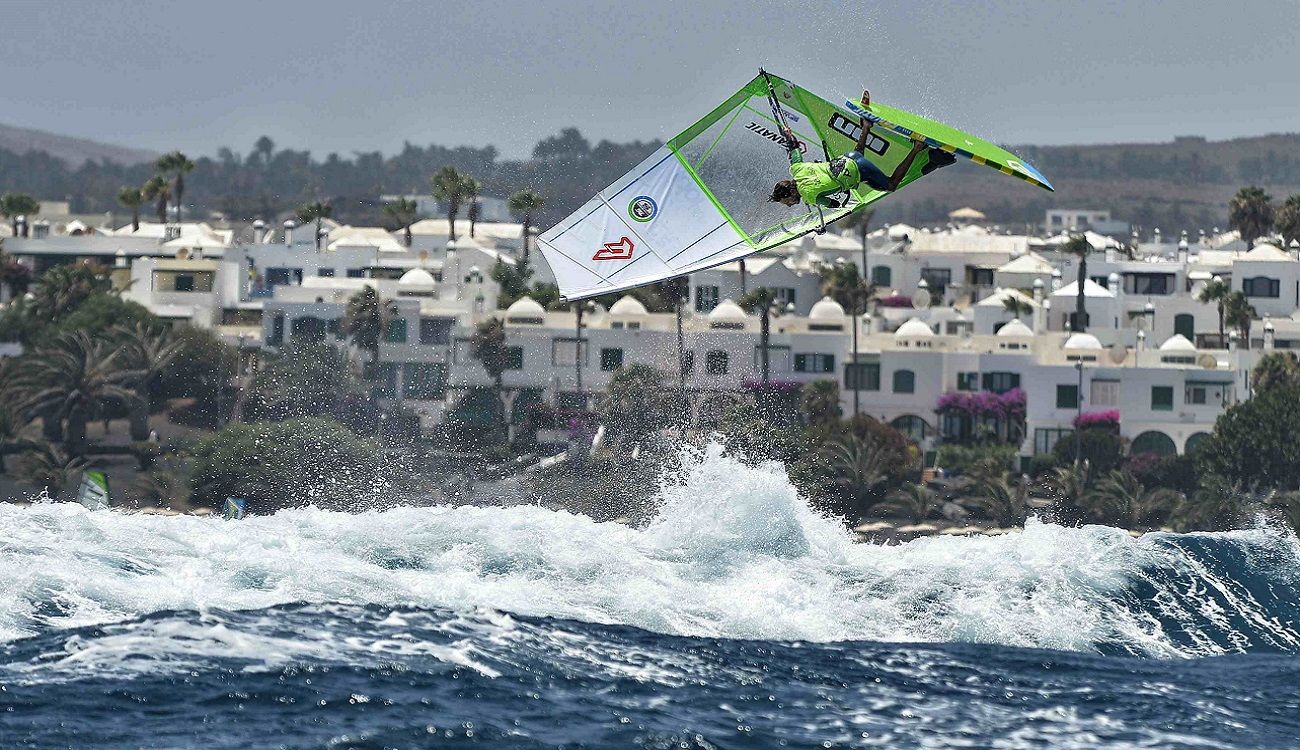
<point x="701" y="200"/>
<point x="93" y="492"/>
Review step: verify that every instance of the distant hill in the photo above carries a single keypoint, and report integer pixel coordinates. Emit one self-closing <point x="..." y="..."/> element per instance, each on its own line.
<point x="1181" y="184"/>
<point x="1184" y="183"/>
<point x="74" y="151"/>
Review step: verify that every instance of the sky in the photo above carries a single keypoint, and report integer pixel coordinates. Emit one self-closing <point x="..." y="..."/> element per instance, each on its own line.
<point x="335" y="76"/>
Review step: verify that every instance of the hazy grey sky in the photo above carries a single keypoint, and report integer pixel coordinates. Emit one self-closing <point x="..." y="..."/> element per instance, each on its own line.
<point x="341" y="76"/>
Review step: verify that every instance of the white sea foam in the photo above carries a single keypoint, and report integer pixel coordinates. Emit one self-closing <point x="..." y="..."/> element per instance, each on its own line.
<point x="734" y="553"/>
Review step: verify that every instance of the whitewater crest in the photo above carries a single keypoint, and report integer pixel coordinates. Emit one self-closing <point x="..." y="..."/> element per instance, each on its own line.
<point x="734" y="552"/>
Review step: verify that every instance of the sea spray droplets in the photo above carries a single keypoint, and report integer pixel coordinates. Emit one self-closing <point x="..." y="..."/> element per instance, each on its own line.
<point x="733" y="553"/>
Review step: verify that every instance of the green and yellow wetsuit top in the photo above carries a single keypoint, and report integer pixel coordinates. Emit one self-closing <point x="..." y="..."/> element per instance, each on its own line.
<point x="817" y="181"/>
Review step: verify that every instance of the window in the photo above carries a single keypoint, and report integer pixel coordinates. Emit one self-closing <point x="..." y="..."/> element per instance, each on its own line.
<point x="937" y="278"/>
<point x="395" y="331"/>
<point x="1261" y="286"/>
<point x="968" y="381"/>
<point x="630" y="325"/>
<point x="1148" y="283"/>
<point x="325" y="273"/>
<point x="356" y="273"/>
<point x="785" y="295"/>
<point x="1104" y="393"/>
<point x="514" y="358"/>
<point x="904" y="381"/>
<point x="1162" y="398"/>
<point x="706" y="298"/>
<point x="814" y="363"/>
<point x="283" y="276"/>
<point x="184" y="282"/>
<point x="611" y="359"/>
<point x="1067" y="396"/>
<point x="863" y="376"/>
<point x="1046" y="438"/>
<point x="1185" y="326"/>
<point x="1208" y="394"/>
<point x="715" y="362"/>
<point x="564" y="352"/>
<point x="980" y="276"/>
<point x="882" y="275"/>
<point x="435" y="331"/>
<point x="1000" y="382"/>
<point x="1072" y="320"/>
<point x="424" y="380"/>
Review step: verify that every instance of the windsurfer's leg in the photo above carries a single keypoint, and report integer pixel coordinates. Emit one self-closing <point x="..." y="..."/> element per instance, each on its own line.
<point x="869" y="173"/>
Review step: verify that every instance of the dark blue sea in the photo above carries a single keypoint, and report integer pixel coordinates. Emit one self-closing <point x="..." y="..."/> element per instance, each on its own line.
<point x="738" y="618"/>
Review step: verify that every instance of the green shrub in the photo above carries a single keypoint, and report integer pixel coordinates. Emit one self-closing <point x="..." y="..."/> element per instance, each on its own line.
<point x="983" y="459"/>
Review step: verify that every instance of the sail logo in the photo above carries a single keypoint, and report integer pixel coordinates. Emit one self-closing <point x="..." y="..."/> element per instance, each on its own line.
<point x="773" y="135"/>
<point x="642" y="208"/>
<point x="621" y="250"/>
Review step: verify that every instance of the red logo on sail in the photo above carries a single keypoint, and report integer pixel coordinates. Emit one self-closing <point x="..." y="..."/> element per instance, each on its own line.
<point x="621" y="250"/>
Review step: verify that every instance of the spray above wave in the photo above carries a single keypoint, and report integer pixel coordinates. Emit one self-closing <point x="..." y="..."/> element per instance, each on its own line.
<point x="734" y="552"/>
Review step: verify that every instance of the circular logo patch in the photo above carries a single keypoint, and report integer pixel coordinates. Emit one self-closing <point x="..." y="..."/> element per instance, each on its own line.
<point x="643" y="208"/>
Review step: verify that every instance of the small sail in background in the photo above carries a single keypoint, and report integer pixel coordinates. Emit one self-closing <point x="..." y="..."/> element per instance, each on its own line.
<point x="93" y="492"/>
<point x="234" y="508"/>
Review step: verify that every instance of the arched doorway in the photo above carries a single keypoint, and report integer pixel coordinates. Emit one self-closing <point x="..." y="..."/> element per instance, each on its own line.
<point x="915" y="428"/>
<point x="1185" y="326"/>
<point x="1195" y="441"/>
<point x="1153" y="441"/>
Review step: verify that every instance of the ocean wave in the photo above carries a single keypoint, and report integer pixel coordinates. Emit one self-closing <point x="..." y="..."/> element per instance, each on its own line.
<point x="734" y="552"/>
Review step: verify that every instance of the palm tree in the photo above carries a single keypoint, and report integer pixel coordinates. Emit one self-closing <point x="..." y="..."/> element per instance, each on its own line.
<point x="1288" y="220"/>
<point x="1250" y="212"/>
<point x="525" y="204"/>
<point x="13" y="205"/>
<point x="148" y="351"/>
<point x="50" y="467"/>
<point x="857" y="467"/>
<point x="488" y="346"/>
<point x="177" y="165"/>
<point x="1217" y="505"/>
<point x="449" y="186"/>
<point x="1001" y="502"/>
<point x="761" y="301"/>
<point x="403" y="212"/>
<point x="366" y="319"/>
<point x="861" y="221"/>
<point x="1216" y="290"/>
<point x="914" y="502"/>
<point x="72" y="380"/>
<point x="820" y="403"/>
<point x="63" y="288"/>
<point x="132" y="198"/>
<point x="1119" y="499"/>
<point x="472" y="189"/>
<point x="1079" y="247"/>
<point x="1017" y="306"/>
<point x="316" y="211"/>
<point x="158" y="190"/>
<point x="1239" y="313"/>
<point x="166" y="485"/>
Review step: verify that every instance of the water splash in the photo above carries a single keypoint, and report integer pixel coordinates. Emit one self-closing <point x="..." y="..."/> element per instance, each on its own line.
<point x="733" y="553"/>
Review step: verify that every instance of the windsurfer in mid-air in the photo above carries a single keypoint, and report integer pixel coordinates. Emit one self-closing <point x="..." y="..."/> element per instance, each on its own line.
<point x="818" y="182"/>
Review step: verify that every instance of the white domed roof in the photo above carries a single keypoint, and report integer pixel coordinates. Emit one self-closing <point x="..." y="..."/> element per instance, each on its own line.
<point x="1177" y="343"/>
<point x="727" y="313"/>
<point x="1013" y="329"/>
<point x="826" y="309"/>
<point x="416" y="277"/>
<point x="526" y="307"/>
<point x="1083" y="341"/>
<point x="913" y="328"/>
<point x="627" y="305"/>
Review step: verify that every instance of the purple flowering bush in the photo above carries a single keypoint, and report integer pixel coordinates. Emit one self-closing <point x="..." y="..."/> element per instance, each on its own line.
<point x="1088" y="420"/>
<point x="1009" y="405"/>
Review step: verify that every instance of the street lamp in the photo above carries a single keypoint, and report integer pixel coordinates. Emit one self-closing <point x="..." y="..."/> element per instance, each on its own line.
<point x="579" y="309"/>
<point x="1078" y="418"/>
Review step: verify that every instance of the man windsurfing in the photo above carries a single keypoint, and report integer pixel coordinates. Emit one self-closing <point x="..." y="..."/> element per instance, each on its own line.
<point x="818" y="182"/>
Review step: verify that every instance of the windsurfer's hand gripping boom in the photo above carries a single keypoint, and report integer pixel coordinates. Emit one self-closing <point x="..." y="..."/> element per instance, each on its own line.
<point x="815" y="183"/>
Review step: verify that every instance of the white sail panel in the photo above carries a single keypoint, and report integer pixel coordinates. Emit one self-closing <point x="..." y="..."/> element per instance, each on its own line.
<point x="648" y="226"/>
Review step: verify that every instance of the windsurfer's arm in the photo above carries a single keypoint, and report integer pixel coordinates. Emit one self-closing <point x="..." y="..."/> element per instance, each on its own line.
<point x="901" y="171"/>
<point x="791" y="145"/>
<point x="864" y="133"/>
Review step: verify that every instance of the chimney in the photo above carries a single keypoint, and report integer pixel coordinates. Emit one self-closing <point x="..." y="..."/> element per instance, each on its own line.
<point x="1182" y="249"/>
<point x="288" y="232"/>
<point x="259" y="232"/>
<point x="1268" y="334"/>
<point x="20" y="226"/>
